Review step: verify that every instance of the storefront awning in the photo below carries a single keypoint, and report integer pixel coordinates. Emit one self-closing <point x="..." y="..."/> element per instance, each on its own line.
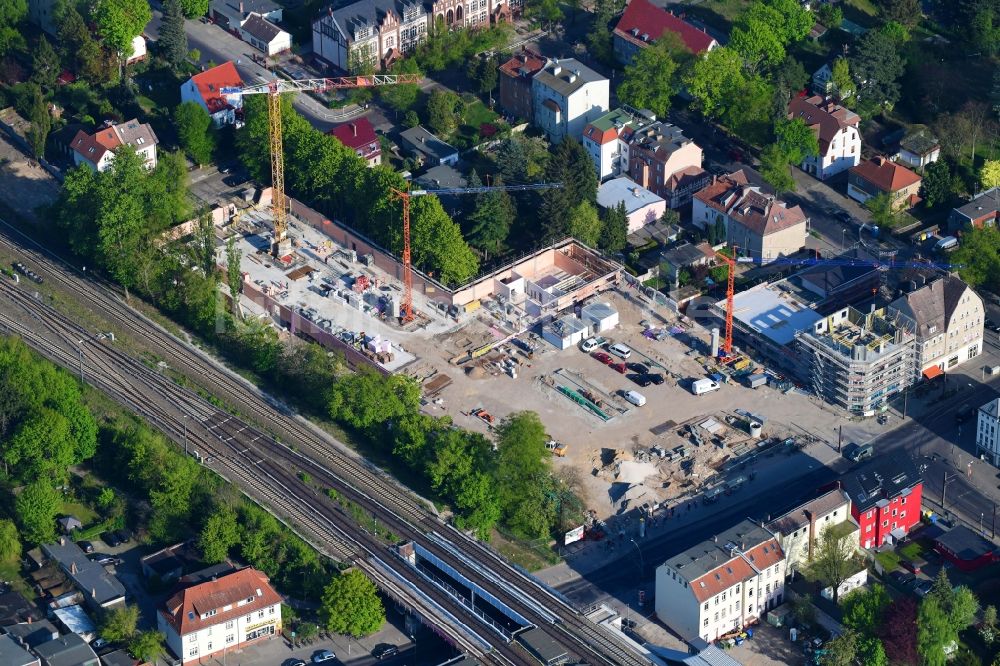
<point x="933" y="371"/>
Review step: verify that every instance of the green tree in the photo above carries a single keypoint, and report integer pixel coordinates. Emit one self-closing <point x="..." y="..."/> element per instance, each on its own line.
<point x="194" y="8"/>
<point x="584" y="224"/>
<point x="796" y="139"/>
<point x="490" y="222"/>
<point x="402" y="97"/>
<point x="897" y="32"/>
<point x="865" y="608"/>
<point x="487" y="74"/>
<point x="78" y="47"/>
<point x="234" y="274"/>
<point x="120" y="624"/>
<point x="220" y="534"/>
<point x="194" y="130"/>
<point x="933" y="631"/>
<point x="829" y="15"/>
<point x="841" y="651"/>
<point x="119" y="21"/>
<point x="438" y="245"/>
<point x="10" y="542"/>
<point x="989" y="174"/>
<point x="41" y="125"/>
<point x="843" y="84"/>
<point x="872" y="652"/>
<point x="650" y="79"/>
<point x="366" y="399"/>
<point x="572" y="166"/>
<point x="836" y="558"/>
<point x="548" y="12"/>
<point x="796" y="20"/>
<point x="935" y="188"/>
<point x="757" y="37"/>
<point x="789" y="79"/>
<point x="614" y="231"/>
<point x="775" y="170"/>
<point x="351" y="605"/>
<point x="987" y="628"/>
<point x="36" y="508"/>
<point x="442" y="116"/>
<point x="148" y="646"/>
<point x="712" y="80"/>
<point x="173" y="42"/>
<point x="877" y="67"/>
<point x="906" y="12"/>
<point x="45" y="64"/>
<point x="979" y="256"/>
<point x="882" y="210"/>
<point x="522" y="475"/>
<point x="12" y="12"/>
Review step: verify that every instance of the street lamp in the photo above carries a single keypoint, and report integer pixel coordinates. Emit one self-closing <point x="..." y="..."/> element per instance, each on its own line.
<point x="843" y="239"/>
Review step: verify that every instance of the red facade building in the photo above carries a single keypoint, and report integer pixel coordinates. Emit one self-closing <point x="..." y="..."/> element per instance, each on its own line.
<point x="885" y="499"/>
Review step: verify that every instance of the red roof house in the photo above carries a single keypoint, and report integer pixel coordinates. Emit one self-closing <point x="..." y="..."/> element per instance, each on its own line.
<point x="359" y="136"/>
<point x="644" y="23"/>
<point x="205" y="89"/>
<point x="881" y="176"/>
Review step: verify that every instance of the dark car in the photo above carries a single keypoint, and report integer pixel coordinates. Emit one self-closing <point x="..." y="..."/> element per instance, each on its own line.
<point x="124" y="536"/>
<point x="638" y="368"/>
<point x="86" y="546"/>
<point x="111" y="538"/>
<point x="385" y="651"/>
<point x="902" y="578"/>
<point x="104" y="559"/>
<point x="923" y="588"/>
<point x="845" y="216"/>
<point x="295" y="662"/>
<point x="654" y="377"/>
<point x="603" y="358"/>
<point x="641" y="380"/>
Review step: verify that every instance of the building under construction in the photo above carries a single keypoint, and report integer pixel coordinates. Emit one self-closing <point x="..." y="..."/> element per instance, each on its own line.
<point x="859" y="360"/>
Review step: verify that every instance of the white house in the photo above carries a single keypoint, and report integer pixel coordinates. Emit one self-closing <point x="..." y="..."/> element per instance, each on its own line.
<point x="205" y="89"/>
<point x="98" y="149"/>
<point x="566" y="95"/>
<point x="265" y="36"/>
<point x="919" y="149"/>
<point x="988" y="432"/>
<point x="836" y="129"/>
<point x="799" y="530"/>
<point x="223" y="614"/>
<point x="138" y="52"/>
<point x="607" y="139"/>
<point x="721" y="585"/>
<point x="642" y="207"/>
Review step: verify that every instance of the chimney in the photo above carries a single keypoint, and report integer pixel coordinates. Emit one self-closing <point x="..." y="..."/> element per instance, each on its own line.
<point x="354" y="128"/>
<point x="241" y="6"/>
<point x="72" y="567"/>
<point x="93" y="592"/>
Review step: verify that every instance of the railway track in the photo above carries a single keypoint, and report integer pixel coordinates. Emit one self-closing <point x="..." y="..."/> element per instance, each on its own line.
<point x="273" y="463"/>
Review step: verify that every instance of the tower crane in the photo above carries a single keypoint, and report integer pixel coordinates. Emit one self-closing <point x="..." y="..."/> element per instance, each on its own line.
<point x="877" y="264"/>
<point x="407" y="309"/>
<point x="273" y="89"/>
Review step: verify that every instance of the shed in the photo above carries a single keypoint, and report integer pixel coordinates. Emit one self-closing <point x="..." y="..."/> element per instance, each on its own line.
<point x="599" y="317"/>
<point x="165" y="565"/>
<point x="565" y="332"/>
<point x="118" y="658"/>
<point x="32" y="634"/>
<point x="69" y="523"/>
<point x="966" y="549"/>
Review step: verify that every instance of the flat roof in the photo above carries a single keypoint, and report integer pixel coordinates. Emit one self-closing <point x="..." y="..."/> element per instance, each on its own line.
<point x="965" y="544"/>
<point x="564" y="327"/>
<point x="775" y="314"/>
<point x="542" y="646"/>
<point x="598" y="310"/>
<point x="75" y="619"/>
<point x="619" y="190"/>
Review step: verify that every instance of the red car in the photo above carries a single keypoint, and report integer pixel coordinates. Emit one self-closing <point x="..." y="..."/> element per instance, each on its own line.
<point x="619" y="367"/>
<point x="603" y="358"/>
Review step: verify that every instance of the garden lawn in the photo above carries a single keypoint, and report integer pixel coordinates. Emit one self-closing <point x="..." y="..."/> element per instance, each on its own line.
<point x="83" y="513"/>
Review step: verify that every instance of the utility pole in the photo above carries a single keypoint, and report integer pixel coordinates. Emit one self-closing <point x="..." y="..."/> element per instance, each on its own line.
<point x="944" y="486"/>
<point x="80" y="343"/>
<point x="184" y="420"/>
<point x="840" y="438"/>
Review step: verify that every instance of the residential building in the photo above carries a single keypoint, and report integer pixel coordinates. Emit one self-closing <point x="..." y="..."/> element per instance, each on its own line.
<point x="566" y="95"/>
<point x="100" y="589"/>
<point x="966" y="548"/>
<point x="33" y="633"/>
<point x="606" y="139"/>
<point x="227" y="613"/>
<point x="721" y="585"/>
<point x="165" y="565"/>
<point x="67" y="650"/>
<point x="138" y="51"/>
<point x="822" y="83"/>
<point x="665" y="162"/>
<point x="359" y="136"/>
<point x="949" y="318"/>
<point x="642" y="207"/>
<point x="919" y="149"/>
<point x="98" y="149"/>
<point x="206" y="90"/>
<point x="836" y="129"/>
<point x="265" y="36"/>
<point x="859" y="360"/>
<point x="759" y="224"/>
<point x="515" y="83"/>
<point x="15" y="608"/>
<point x="643" y="23"/>
<point x="684" y="256"/>
<point x="798" y="531"/>
<point x="885" y="498"/>
<point x="230" y="14"/>
<point x="13" y="654"/>
<point x="981" y="211"/>
<point x="429" y="149"/>
<point x="988" y="432"/>
<point x="881" y="176"/>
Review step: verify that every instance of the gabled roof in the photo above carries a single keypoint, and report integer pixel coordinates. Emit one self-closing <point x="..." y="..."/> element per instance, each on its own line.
<point x="211" y="82"/>
<point x="746" y="205"/>
<point x="933" y="306"/>
<point x="525" y="63"/>
<point x="643" y="18"/>
<point x="985" y="204"/>
<point x="369" y="13"/>
<point x="67" y="650"/>
<point x="247" y="7"/>
<point x="12" y="654"/>
<point x="826" y="117"/>
<point x="722" y="577"/>
<point x="883" y="478"/>
<point x="245" y="590"/>
<point x="357" y="134"/>
<point x="817" y="507"/>
<point x="91" y="578"/>
<point x="259" y="27"/>
<point x="885" y="174"/>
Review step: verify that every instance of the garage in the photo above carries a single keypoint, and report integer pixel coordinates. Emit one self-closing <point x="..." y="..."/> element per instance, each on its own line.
<point x="599" y="316"/>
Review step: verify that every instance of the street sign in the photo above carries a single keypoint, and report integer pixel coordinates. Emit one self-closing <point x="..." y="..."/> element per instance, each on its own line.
<point x="575" y="534"/>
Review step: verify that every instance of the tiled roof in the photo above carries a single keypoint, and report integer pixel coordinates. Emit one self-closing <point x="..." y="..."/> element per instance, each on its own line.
<point x="132" y="133"/>
<point x="184" y="610"/>
<point x="259" y="27"/>
<point x="765" y="555"/>
<point x="708" y="555"/>
<point x="645" y="18"/>
<point x="526" y="63"/>
<point x="826" y="117"/>
<point x="358" y="134"/>
<point x="933" y="305"/>
<point x="817" y="507"/>
<point x="748" y="206"/>
<point x="723" y="577"/>
<point x="885" y="174"/>
<point x="210" y="83"/>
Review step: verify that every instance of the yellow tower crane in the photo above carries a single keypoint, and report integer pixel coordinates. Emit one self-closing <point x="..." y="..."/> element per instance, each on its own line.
<point x="273" y="89"/>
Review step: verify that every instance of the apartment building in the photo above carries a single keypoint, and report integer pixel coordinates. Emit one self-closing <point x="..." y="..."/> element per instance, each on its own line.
<point x="857" y="360"/>
<point x="761" y="225"/>
<point x="566" y="95"/>
<point x="667" y="163"/>
<point x="98" y="149"/>
<point x="515" y="83"/>
<point x="798" y="531"/>
<point x="607" y="139"/>
<point x="225" y="613"/>
<point x="836" y="129"/>
<point x="885" y="498"/>
<point x="721" y="585"/>
<point x="988" y="432"/>
<point x="643" y="23"/>
<point x="949" y="318"/>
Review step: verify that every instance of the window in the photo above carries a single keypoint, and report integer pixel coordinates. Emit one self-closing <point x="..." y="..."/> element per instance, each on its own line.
<point x="193" y="652"/>
<point x="775" y="569"/>
<point x="894" y="512"/>
<point x="716" y="616"/>
<point x="737" y="589"/>
<point x="750" y="592"/>
<point x="260" y="614"/>
<point x="868" y="528"/>
<point x="767" y="589"/>
<point x="192" y="638"/>
<point x="140" y="141"/>
<point x="705" y="623"/>
<point x="903" y="501"/>
<point x="723" y="596"/>
<point x="902" y="514"/>
<point x="706" y="605"/>
<point x="209" y="647"/>
<point x="737" y="607"/>
<point x="270" y="611"/>
<point x="229" y="625"/>
<point x="869" y="514"/>
<point x="885" y="523"/>
<point x="230" y="639"/>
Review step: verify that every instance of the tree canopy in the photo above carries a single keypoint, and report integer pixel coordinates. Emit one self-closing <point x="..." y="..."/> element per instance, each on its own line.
<point x="194" y="129"/>
<point x="351" y="605"/>
<point x="877" y="67"/>
<point x="651" y="78"/>
<point x="119" y="21"/>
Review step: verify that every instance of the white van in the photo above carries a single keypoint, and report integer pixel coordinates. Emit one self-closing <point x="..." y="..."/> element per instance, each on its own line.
<point x="946" y="243"/>
<point x="635" y="398"/>
<point x="620" y="350"/>
<point x="702" y="386"/>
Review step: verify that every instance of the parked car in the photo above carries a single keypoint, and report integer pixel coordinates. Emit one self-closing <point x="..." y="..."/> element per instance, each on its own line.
<point x="590" y="344"/>
<point x="903" y="579"/>
<point x="385" y="651"/>
<point x="322" y="656"/>
<point x="857" y="452"/>
<point x="124" y="536"/>
<point x="619" y="367"/>
<point x="296" y="662"/>
<point x="913" y="566"/>
<point x="111" y="538"/>
<point x="963" y="413"/>
<point x="104" y="559"/>
<point x="98" y="643"/>
<point x="603" y="358"/>
<point x="638" y="368"/>
<point x="635" y="398"/>
<point x="641" y="380"/>
<point x="620" y="350"/>
<point x="86" y="546"/>
<point x="923" y="587"/>
<point x="655" y="378"/>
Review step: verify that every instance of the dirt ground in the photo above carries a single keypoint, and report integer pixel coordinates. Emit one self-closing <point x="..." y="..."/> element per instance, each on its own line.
<point x="24" y="185"/>
<point x="611" y="459"/>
